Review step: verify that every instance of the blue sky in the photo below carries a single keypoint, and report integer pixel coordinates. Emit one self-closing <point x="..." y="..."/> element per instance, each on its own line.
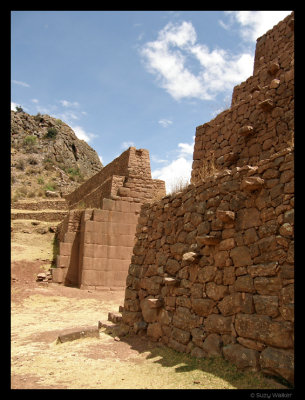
<point x="134" y="78"/>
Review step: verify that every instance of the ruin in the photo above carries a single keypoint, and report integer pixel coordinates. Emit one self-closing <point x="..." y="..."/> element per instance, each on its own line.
<point x="209" y="270"/>
<point x="212" y="269"/>
<point x="96" y="238"/>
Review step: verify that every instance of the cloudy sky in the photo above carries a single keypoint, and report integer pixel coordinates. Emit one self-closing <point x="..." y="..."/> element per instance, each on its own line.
<point x="134" y="78"/>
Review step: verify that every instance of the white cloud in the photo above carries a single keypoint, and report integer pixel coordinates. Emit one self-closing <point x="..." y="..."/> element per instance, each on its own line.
<point x="82" y="134"/>
<point x="35" y="101"/>
<point x="254" y="24"/>
<point x="165" y="122"/>
<point x="13" y="106"/>
<point x="126" y="145"/>
<point x="176" y="45"/>
<point x="67" y="103"/>
<point x="101" y="159"/>
<point x="179" y="170"/>
<point x="186" y="149"/>
<point x="24" y="84"/>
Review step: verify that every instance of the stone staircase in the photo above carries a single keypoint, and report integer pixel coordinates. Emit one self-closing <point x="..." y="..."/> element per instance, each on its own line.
<point x="48" y="210"/>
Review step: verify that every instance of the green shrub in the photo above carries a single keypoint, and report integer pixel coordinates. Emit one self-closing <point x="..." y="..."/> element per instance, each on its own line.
<point x="51" y="133"/>
<point x="30" y="140"/>
<point x="40" y="181"/>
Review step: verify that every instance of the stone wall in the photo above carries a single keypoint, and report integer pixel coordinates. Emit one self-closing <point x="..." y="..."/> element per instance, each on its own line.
<point x="127" y="176"/>
<point x="96" y="240"/>
<point x="260" y="121"/>
<point x="212" y="270"/>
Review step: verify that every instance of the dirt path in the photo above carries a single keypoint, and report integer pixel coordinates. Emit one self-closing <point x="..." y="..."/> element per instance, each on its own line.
<point x="42" y="312"/>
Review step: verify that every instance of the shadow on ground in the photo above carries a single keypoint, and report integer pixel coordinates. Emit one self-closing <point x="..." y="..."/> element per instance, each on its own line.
<point x="205" y="369"/>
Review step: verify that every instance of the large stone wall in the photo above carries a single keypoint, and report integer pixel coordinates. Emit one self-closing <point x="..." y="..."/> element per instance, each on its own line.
<point x="260" y="121"/>
<point x="212" y="270"/>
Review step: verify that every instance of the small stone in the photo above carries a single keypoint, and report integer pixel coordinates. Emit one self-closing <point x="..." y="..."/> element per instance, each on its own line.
<point x="208" y="240"/>
<point x="246" y="130"/>
<point x="252" y="183"/>
<point x="266" y="105"/>
<point x="273" y="68"/>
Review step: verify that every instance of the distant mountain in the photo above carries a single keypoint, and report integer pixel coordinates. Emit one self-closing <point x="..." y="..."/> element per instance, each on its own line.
<point x="46" y="156"/>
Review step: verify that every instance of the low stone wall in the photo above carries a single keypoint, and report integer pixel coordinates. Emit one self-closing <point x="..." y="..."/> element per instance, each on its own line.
<point x="212" y="269"/>
<point x="129" y="175"/>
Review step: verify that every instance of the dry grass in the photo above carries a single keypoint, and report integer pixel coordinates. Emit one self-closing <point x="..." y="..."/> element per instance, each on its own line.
<point x="104" y="363"/>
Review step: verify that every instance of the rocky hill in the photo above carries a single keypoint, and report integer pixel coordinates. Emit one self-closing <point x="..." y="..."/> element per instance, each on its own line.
<point x="46" y="156"/>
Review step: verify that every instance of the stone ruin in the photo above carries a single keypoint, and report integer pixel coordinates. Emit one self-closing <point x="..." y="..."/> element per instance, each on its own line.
<point x="210" y="270"/>
<point x="97" y="236"/>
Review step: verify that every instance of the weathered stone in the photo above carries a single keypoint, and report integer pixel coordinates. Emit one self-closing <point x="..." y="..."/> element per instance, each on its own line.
<point x="154" y="331"/>
<point x="266" y="305"/>
<point x="264" y="329"/>
<point x="266" y="269"/>
<point x="273" y="68"/>
<point x="241" y="256"/>
<point x="252" y="183"/>
<point x="208" y="240"/>
<point x="251" y="344"/>
<point x="206" y="274"/>
<point x="212" y="345"/>
<point x="225" y="216"/>
<point x="172" y="266"/>
<point x="203" y="307"/>
<point x="244" y="283"/>
<point x="236" y="303"/>
<point x="242" y="357"/>
<point x="181" y="336"/>
<point x="170" y="281"/>
<point x="266" y="105"/>
<point x="190" y="256"/>
<point x="149" y="314"/>
<point x="216" y="292"/>
<point x="185" y="319"/>
<point x="154" y="303"/>
<point x="83" y="333"/>
<point x="278" y="362"/>
<point x="218" y="324"/>
<point x="247" y="218"/>
<point x="268" y="285"/>
<point x="246" y="130"/>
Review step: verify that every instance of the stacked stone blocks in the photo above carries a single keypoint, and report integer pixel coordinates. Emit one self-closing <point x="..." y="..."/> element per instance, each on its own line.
<point x="212" y="270"/>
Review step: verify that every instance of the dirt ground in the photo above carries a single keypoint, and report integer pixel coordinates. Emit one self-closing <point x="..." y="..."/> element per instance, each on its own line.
<point x="40" y="312"/>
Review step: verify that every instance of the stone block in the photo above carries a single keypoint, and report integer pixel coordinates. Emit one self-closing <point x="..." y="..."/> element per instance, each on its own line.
<point x="80" y="334"/>
<point x="100" y="215"/>
<point x="266" y="305"/>
<point x="212" y="345"/>
<point x="252" y="183"/>
<point x="123" y="206"/>
<point x="63" y="261"/>
<point x="278" y="362"/>
<point x="59" y="274"/>
<point x="241" y="256"/>
<point x="65" y="248"/>
<point x="265" y="330"/>
<point x="236" y="303"/>
<point x="203" y="307"/>
<point x="242" y="357"/>
<point x="216" y="323"/>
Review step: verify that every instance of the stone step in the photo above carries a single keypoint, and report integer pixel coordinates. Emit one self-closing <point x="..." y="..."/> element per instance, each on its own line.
<point x="35" y="205"/>
<point x="41" y="215"/>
